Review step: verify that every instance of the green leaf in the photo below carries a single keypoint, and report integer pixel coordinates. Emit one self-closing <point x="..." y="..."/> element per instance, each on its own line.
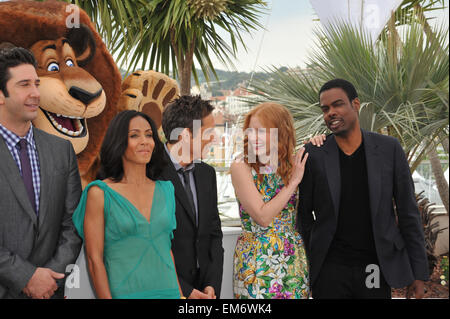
<point x="139" y="32"/>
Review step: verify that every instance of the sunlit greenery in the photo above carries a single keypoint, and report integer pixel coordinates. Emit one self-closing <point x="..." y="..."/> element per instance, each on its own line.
<point x="173" y="36"/>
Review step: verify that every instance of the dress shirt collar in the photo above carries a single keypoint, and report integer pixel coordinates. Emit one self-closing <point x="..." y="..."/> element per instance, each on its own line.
<point x="175" y="162"/>
<point x="12" y="139"/>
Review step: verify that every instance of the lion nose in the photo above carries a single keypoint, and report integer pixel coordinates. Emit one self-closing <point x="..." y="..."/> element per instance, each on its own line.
<point x="83" y="95"/>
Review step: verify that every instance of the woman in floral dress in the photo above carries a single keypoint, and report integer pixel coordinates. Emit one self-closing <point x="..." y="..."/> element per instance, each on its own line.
<point x="269" y="259"/>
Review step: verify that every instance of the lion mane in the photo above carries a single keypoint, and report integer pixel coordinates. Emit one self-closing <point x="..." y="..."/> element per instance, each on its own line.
<point x="81" y="84"/>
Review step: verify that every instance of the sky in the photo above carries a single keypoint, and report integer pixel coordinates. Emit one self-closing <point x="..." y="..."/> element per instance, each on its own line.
<point x="288" y="38"/>
<point x="285" y="42"/>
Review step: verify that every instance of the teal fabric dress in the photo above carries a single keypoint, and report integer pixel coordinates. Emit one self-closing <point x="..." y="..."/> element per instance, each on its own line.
<point x="137" y="252"/>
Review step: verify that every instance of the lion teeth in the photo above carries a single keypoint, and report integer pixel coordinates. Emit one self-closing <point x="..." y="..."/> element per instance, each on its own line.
<point x="78" y="125"/>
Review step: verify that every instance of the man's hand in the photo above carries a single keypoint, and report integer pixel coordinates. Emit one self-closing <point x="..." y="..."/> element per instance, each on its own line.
<point x="417" y="287"/>
<point x="42" y="284"/>
<point x="210" y="292"/>
<point x="197" y="294"/>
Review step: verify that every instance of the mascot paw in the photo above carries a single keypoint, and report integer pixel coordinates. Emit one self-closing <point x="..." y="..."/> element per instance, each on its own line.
<point x="148" y="92"/>
<point x="130" y="99"/>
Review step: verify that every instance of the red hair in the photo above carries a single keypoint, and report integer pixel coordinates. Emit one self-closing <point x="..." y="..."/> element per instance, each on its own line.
<point x="273" y="115"/>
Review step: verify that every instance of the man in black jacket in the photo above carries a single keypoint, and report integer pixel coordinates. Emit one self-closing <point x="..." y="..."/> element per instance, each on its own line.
<point x="356" y="245"/>
<point x="188" y="125"/>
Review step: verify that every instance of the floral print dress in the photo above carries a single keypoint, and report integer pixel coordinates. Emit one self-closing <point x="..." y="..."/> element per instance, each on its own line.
<point x="270" y="262"/>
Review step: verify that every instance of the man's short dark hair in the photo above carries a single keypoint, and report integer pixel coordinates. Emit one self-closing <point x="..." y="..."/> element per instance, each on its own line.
<point x="345" y="85"/>
<point x="11" y="57"/>
<point x="182" y="112"/>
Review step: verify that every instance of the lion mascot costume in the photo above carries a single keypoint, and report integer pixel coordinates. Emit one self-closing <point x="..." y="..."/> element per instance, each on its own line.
<point x="81" y="86"/>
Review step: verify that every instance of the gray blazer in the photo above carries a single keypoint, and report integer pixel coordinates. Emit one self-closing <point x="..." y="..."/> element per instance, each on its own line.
<point x="28" y="242"/>
<point x="399" y="240"/>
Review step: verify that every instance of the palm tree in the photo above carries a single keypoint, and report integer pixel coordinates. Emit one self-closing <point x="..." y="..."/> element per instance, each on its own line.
<point x="402" y="82"/>
<point x="167" y="35"/>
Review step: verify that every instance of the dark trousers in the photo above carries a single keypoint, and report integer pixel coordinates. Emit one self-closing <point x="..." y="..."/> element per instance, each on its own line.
<point x="340" y="281"/>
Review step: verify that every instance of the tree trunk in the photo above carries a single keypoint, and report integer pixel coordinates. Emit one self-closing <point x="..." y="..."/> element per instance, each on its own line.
<point x="394" y="41"/>
<point x="184" y="72"/>
<point x="438" y="173"/>
<point x="185" y="61"/>
<point x="185" y="84"/>
<point x="444" y="141"/>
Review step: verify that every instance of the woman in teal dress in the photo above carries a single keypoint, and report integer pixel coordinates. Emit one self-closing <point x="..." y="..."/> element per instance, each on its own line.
<point x="126" y="217"/>
<point x="269" y="259"/>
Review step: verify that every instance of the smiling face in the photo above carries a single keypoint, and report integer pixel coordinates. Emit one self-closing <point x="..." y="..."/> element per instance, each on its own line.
<point x="339" y="113"/>
<point x="69" y="94"/>
<point x="140" y="142"/>
<point x="258" y="136"/>
<point x="22" y="103"/>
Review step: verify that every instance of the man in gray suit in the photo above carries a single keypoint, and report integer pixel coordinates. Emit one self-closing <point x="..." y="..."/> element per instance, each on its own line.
<point x="358" y="246"/>
<point x="39" y="189"/>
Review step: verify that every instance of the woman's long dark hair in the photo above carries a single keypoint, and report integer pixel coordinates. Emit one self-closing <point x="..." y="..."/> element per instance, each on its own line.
<point x="115" y="144"/>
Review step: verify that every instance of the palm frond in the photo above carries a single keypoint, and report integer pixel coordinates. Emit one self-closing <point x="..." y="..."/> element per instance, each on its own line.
<point x="403" y="85"/>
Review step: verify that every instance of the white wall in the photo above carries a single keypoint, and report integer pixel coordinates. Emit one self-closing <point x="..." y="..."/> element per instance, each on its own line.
<point x="85" y="291"/>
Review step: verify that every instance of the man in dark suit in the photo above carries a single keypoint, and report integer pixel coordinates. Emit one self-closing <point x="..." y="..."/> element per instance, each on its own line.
<point x="39" y="189"/>
<point x="356" y="245"/>
<point x="188" y="125"/>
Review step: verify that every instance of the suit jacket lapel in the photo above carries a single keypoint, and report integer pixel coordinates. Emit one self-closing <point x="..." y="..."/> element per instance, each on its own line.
<point x="333" y="171"/>
<point x="171" y="174"/>
<point x="200" y="194"/>
<point x="12" y="174"/>
<point x="374" y="171"/>
<point x="46" y="163"/>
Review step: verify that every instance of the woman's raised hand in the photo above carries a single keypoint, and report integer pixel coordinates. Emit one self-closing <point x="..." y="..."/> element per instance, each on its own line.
<point x="299" y="167"/>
